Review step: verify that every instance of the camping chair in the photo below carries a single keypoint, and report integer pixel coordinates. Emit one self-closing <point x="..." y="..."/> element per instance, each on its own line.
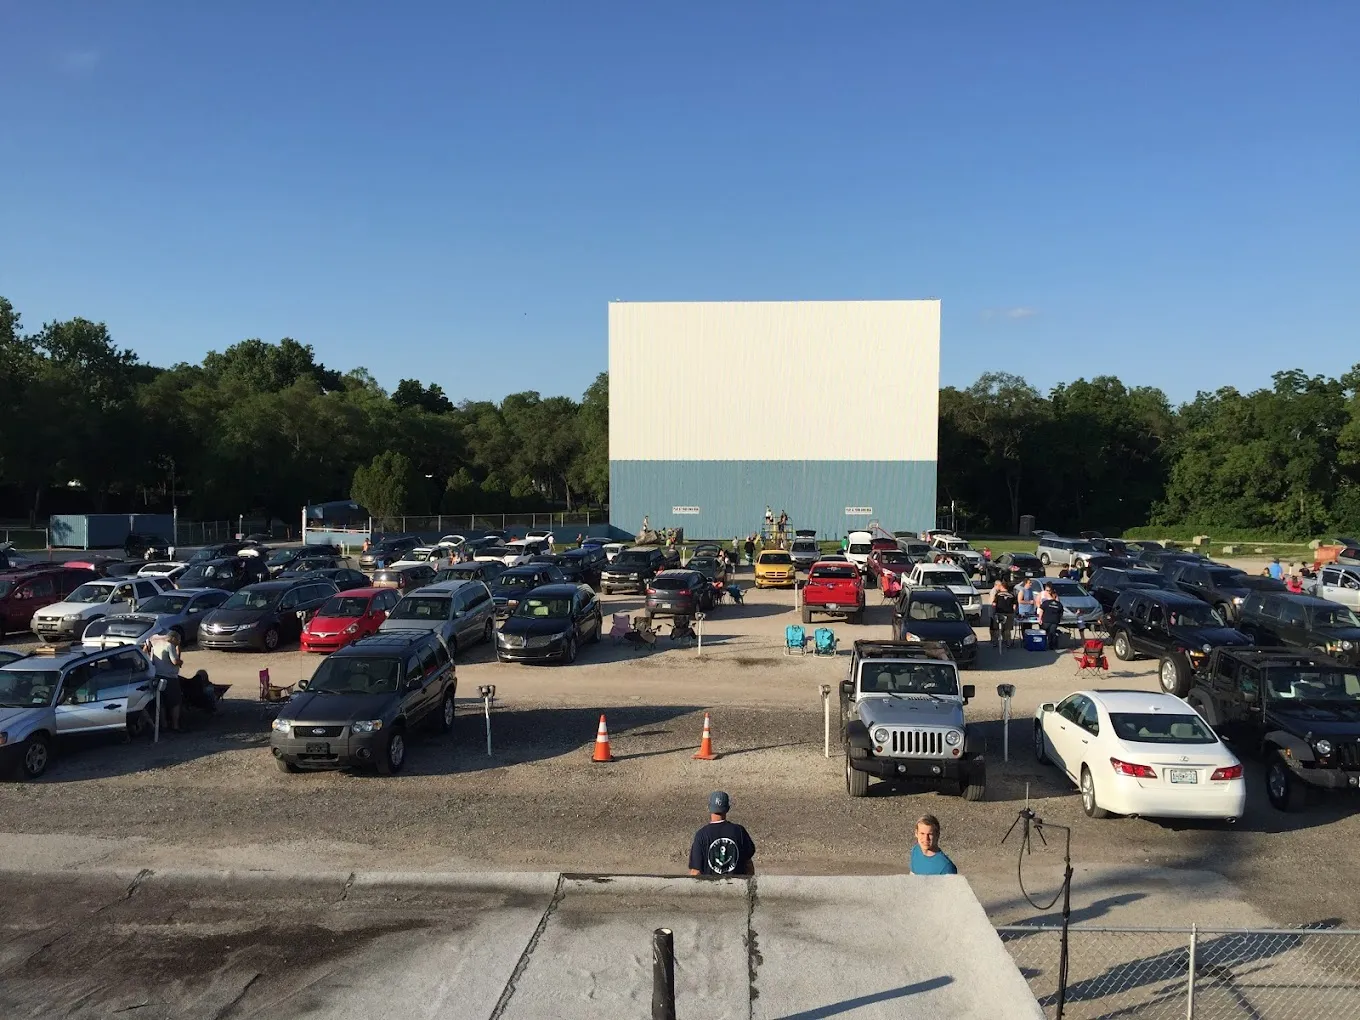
<point x="795" y="640"/>
<point x="619" y="626"/>
<point x="823" y="641"/>
<point x="734" y="592"/>
<point x="681" y="631"/>
<point x="1090" y="656"/>
<point x="642" y="635"/>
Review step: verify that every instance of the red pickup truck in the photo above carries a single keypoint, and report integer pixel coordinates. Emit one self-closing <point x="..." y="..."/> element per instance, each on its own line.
<point x="834" y="589"/>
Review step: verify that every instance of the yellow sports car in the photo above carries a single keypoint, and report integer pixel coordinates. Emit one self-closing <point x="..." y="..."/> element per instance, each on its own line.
<point x="774" y="569"/>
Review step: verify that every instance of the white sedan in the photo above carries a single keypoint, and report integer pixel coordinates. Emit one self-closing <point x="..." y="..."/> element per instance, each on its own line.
<point x="1136" y="753"/>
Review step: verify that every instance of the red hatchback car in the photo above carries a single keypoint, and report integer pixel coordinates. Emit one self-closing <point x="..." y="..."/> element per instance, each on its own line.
<point x="347" y="617"/>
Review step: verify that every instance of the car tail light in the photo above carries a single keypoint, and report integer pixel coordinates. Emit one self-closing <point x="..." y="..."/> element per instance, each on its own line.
<point x="1125" y="768"/>
<point x="1227" y="772"/>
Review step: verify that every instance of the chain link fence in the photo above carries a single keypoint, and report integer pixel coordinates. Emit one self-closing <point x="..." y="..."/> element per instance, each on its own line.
<point x="452" y="523"/>
<point x="1196" y="973"/>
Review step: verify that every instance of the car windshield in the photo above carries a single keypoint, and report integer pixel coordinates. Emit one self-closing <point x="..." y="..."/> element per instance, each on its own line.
<point x="346" y="606"/>
<point x="704" y="564"/>
<point x="839" y="573"/>
<point x="165" y="604"/>
<point x="205" y="554"/>
<point x="509" y="580"/>
<point x="898" y="557"/>
<point x="1341" y="686"/>
<point x="1225" y="578"/>
<point x="1195" y="616"/>
<point x="356" y="674"/>
<point x="497" y="551"/>
<point x="664" y="583"/>
<point x="1333" y="616"/>
<point x="247" y="599"/>
<point x="421" y="607"/>
<point x="282" y="556"/>
<point x="945" y="577"/>
<point x="934" y="612"/>
<point x="544" y="609"/>
<point x="908" y="678"/>
<point x="27" y="688"/>
<point x="779" y="559"/>
<point x="629" y="558"/>
<point x="956" y="543"/>
<point x="1161" y="728"/>
<point x="860" y="548"/>
<point x="805" y="547"/>
<point x="90" y="593"/>
<point x="1066" y="589"/>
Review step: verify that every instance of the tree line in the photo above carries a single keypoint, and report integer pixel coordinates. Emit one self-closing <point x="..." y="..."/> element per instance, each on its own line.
<point x="264" y="428"/>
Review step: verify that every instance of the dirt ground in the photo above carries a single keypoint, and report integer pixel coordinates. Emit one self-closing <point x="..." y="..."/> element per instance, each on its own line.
<point x="212" y="797"/>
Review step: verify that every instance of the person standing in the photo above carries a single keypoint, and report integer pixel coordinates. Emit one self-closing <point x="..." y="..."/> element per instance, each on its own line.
<point x="1026" y="603"/>
<point x="1003" y="613"/>
<point x="721" y="847"/>
<point x="1050" y="615"/>
<point x="751" y="549"/>
<point x="1275" y="570"/>
<point x="926" y="856"/>
<point x="164" y="652"/>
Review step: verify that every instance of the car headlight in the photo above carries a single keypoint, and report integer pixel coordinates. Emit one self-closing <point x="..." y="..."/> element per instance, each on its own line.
<point x="353" y="628"/>
<point x="365" y="726"/>
<point x="1239" y="599"/>
<point x="1323" y="747"/>
<point x="73" y="617"/>
<point x="880" y="736"/>
<point x="971" y="639"/>
<point x="1206" y="649"/>
<point x="4" y="739"/>
<point x="1346" y="646"/>
<point x="909" y="636"/>
<point x="953" y="737"/>
<point x="283" y="726"/>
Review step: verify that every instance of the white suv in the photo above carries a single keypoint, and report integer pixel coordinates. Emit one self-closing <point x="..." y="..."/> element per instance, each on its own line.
<point x="93" y="599"/>
<point x="861" y="545"/>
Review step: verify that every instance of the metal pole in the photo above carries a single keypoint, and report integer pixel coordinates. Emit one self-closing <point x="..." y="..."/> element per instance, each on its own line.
<point x="699" y="632"/>
<point x="1005" y="692"/>
<point x="487" y="691"/>
<point x="1190" y="978"/>
<point x="156" y="732"/>
<point x="826" y="720"/>
<point x="663" y="974"/>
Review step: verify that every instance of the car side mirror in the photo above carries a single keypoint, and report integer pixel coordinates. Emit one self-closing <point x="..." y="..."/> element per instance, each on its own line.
<point x="413" y="684"/>
<point x="1047" y="706"/>
<point x="302" y="684"/>
<point x="969" y="692"/>
<point x="1250" y="697"/>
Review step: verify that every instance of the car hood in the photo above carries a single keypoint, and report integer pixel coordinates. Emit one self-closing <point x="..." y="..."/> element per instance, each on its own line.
<point x="69" y="608"/>
<point x="910" y="711"/>
<point x="1216" y="636"/>
<point x="389" y="625"/>
<point x="128" y="627"/>
<point x="1339" y="633"/>
<point x="1316" y="718"/>
<point x="1079" y="603"/>
<point x="525" y="626"/>
<point x="330" y="624"/>
<point x="962" y="589"/>
<point x="501" y="591"/>
<point x="237" y="617"/>
<point x="307" y="707"/>
<point x="19" y="718"/>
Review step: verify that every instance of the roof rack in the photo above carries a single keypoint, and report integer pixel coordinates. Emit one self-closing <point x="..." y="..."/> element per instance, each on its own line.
<point x="52" y="649"/>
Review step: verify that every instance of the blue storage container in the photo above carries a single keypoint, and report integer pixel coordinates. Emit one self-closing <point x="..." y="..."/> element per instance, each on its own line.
<point x="1035" y="641"/>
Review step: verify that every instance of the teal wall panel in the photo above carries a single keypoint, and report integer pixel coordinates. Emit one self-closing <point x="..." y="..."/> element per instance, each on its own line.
<point x="732" y="494"/>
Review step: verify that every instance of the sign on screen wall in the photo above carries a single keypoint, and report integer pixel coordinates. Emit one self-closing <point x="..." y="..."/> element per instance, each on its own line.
<point x="859" y="511"/>
<point x="684" y="509"/>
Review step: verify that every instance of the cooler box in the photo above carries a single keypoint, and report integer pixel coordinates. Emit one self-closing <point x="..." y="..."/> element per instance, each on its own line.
<point x="1035" y="641"/>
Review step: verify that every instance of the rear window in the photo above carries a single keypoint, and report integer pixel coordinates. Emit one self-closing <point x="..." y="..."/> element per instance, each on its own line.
<point x="777" y="558"/>
<point x="631" y="558"/>
<point x="844" y="573"/>
<point x="804" y="547"/>
<point x="1161" y="728"/>
<point x="670" y="583"/>
<point x="860" y="548"/>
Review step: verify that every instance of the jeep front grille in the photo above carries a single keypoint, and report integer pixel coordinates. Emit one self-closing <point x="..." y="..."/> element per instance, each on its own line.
<point x="917" y="743"/>
<point x="1348" y="754"/>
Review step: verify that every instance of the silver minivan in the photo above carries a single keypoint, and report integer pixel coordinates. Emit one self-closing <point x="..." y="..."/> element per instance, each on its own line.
<point x="460" y="612"/>
<point x="1065" y="552"/>
<point x="58" y="692"/>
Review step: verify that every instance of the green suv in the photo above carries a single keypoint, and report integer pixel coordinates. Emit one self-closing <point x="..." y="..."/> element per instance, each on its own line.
<point x="362" y="703"/>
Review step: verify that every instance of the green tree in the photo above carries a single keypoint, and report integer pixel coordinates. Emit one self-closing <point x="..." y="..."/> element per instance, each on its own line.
<point x="384" y="484"/>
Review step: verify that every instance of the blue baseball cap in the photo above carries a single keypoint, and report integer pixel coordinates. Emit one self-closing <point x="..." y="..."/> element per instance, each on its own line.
<point x="719" y="803"/>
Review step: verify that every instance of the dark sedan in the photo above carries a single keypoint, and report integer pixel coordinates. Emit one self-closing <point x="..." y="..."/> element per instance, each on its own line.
<point x="549" y="624"/>
<point x="344" y="578"/>
<point x="516" y="582"/>
<point x="1013" y="566"/>
<point x="263" y="616"/>
<point x="228" y="573"/>
<point x="934" y="614"/>
<point x="485" y="571"/>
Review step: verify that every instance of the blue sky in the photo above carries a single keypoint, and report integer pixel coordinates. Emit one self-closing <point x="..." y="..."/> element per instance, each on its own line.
<point x="1167" y="192"/>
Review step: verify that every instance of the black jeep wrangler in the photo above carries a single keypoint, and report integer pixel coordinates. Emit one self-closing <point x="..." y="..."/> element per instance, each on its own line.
<point x="1300" y="712"/>
<point x="1177" y="628"/>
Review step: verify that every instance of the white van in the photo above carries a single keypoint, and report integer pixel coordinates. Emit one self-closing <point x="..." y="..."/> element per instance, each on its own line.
<point x="861" y="544"/>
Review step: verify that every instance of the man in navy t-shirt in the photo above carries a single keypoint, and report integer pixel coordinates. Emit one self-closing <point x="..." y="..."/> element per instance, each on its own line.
<point x="926" y="856"/>
<point x="721" y="847"/>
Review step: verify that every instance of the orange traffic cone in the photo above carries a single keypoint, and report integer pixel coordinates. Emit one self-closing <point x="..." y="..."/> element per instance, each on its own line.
<point x="602" y="752"/>
<point x="706" y="744"/>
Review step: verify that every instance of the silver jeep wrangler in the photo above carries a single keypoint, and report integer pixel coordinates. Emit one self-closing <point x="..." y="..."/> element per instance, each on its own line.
<point x="902" y="718"/>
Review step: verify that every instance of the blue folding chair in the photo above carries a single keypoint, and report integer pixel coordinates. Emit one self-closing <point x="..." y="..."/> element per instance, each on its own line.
<point x="824" y="641"/>
<point x="795" y="640"/>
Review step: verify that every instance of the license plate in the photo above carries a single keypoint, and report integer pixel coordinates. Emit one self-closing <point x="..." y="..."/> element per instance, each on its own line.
<point x="1184" y="776"/>
<point x="318" y="748"/>
<point x="667" y="605"/>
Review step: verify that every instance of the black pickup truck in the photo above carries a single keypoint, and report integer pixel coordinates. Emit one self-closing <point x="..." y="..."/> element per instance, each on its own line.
<point x="1299" y="712"/>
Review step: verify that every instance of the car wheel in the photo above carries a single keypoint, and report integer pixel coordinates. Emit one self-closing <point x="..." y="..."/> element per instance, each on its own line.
<point x="1284" y="791"/>
<point x="597" y="633"/>
<point x="1040" y="755"/>
<point x="37" y="755"/>
<point x="446" y="714"/>
<point x="1174" y="675"/>
<point x="1123" y="647"/>
<point x="1088" y="796"/>
<point x="856" y="782"/>
<point x="394" y="753"/>
<point x="271" y="639"/>
<point x="1225" y="610"/>
<point x="569" y="655"/>
<point x="489" y="632"/>
<point x="1043" y="558"/>
<point x="807" y="615"/>
<point x="139" y="724"/>
<point x="284" y="765"/>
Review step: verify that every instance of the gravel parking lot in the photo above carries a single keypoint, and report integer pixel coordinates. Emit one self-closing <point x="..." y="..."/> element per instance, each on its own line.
<point x="212" y="797"/>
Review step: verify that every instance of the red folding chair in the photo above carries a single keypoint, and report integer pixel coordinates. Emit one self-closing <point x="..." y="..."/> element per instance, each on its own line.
<point x="1090" y="657"/>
